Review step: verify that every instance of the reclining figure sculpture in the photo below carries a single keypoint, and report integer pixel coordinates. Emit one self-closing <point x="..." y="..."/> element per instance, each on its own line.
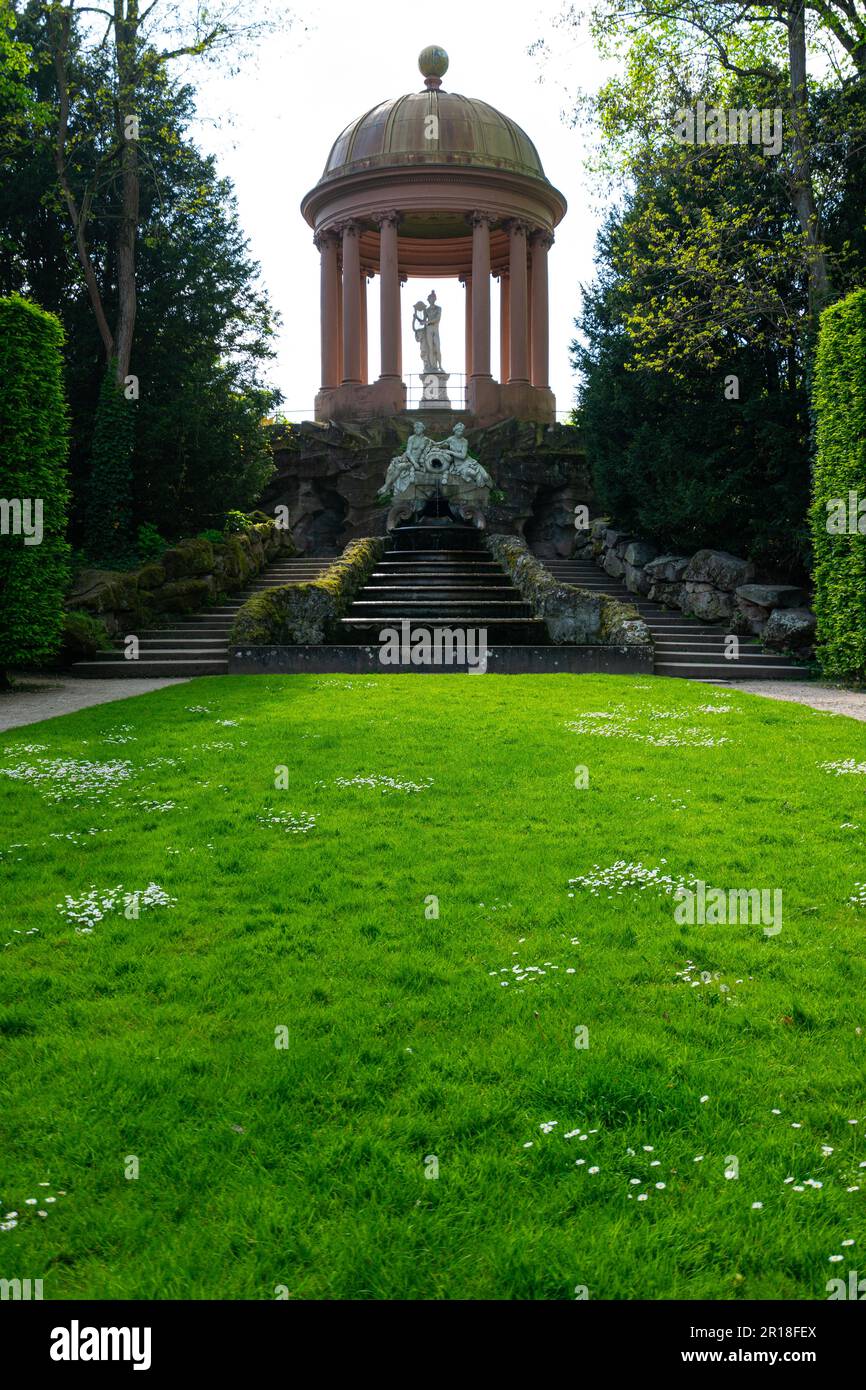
<point x="444" y="469"/>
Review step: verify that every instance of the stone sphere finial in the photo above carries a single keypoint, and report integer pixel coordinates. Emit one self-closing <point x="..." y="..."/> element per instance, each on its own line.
<point x="433" y="62"/>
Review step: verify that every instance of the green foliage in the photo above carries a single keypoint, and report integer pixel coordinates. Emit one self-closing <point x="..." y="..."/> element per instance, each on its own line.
<point x="238" y="523"/>
<point x="215" y="537"/>
<point x="83" y="637"/>
<point x="109" y="540"/>
<point x="840" y="469"/>
<point x="204" y="329"/>
<point x="672" y="457"/>
<point x="149" y="543"/>
<point x="34" y="432"/>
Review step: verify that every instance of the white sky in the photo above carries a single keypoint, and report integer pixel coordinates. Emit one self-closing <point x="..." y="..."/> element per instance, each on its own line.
<point x="272" y="124"/>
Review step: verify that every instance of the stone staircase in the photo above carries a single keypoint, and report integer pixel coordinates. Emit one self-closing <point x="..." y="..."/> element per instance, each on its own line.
<point x="197" y="645"/>
<point x="441" y="576"/>
<point x="685" y="647"/>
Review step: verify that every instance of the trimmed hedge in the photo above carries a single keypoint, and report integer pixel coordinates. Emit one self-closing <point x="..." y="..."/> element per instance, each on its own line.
<point x="573" y="615"/>
<point x="839" y="402"/>
<point x="34" y="437"/>
<point x="300" y="614"/>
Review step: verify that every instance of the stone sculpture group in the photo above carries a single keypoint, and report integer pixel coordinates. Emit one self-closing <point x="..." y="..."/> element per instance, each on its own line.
<point x="431" y="469"/>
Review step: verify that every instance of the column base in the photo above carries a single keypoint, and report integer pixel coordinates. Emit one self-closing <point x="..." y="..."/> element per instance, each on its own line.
<point x="354" y="401"/>
<point x="490" y="401"/>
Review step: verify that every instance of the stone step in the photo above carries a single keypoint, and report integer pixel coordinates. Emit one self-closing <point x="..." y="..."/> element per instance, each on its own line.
<point x="729" y="671"/>
<point x="510" y="631"/>
<point x="174" y="666"/>
<point x="438" y="612"/>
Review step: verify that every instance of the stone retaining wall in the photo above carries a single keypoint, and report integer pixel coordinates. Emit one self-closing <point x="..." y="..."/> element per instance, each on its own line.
<point x="573" y="615"/>
<point x="711" y="584"/>
<point x="188" y="576"/>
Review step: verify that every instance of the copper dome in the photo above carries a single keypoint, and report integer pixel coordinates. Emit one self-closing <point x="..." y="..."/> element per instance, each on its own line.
<point x="466" y="133"/>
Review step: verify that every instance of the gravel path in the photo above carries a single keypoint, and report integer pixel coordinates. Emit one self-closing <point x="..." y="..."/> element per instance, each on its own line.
<point x="44" y="697"/>
<point x="823" y="697"/>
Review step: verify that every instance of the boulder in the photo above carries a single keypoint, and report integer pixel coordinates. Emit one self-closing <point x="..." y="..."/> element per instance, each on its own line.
<point x="789" y="628"/>
<point x="671" y="595"/>
<point x="707" y="602"/>
<point x="185" y="595"/>
<point x="613" y="537"/>
<point x="718" y="568"/>
<point x="613" y="565"/>
<point x="639" y="553"/>
<point x="667" y="568"/>
<point x="187" y="558"/>
<point x="151" y="577"/>
<point x="757" y="601"/>
<point x="636" y="579"/>
<point x="102" y="591"/>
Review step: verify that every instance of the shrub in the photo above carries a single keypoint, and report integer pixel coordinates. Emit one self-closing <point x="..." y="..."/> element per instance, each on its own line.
<point x="34" y="431"/>
<point x="237" y="522"/>
<point x="149" y="543"/>
<point x="840" y="469"/>
<point x="215" y="537"/>
<point x="83" y="637"/>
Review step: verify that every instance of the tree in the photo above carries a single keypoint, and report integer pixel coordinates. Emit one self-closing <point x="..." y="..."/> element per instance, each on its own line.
<point x="33" y="426"/>
<point x="203" y="324"/>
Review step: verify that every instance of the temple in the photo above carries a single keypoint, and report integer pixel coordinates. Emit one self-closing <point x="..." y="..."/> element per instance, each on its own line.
<point x="435" y="185"/>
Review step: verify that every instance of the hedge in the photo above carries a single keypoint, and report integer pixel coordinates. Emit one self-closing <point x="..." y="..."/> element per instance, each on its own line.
<point x="839" y="403"/>
<point x="34" y="443"/>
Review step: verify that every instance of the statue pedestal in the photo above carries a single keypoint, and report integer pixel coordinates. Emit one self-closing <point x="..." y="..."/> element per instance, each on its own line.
<point x="434" y="391"/>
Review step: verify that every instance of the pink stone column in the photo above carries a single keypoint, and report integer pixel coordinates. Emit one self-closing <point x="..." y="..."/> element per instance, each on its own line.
<point x="519" y="305"/>
<point x="504" y="325"/>
<point x="351" y="304"/>
<point x="481" y="294"/>
<point x="329" y="310"/>
<point x="365" y="375"/>
<point x="466" y="282"/>
<point x="541" y="243"/>
<point x="389" y="296"/>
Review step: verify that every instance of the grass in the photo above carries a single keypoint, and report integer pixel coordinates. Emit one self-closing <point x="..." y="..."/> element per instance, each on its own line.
<point x="264" y="1169"/>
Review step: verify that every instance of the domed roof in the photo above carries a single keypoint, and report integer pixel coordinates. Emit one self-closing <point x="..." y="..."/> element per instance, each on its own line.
<point x="464" y="131"/>
<point x="433" y="127"/>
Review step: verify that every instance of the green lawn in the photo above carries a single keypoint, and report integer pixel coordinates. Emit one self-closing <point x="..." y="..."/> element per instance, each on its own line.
<point x="307" y="909"/>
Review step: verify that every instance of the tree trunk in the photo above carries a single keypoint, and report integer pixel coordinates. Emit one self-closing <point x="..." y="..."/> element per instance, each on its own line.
<point x="126" y="36"/>
<point x="802" y="192"/>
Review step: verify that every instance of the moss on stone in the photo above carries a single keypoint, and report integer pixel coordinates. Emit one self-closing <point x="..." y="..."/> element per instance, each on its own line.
<point x="307" y="613"/>
<point x="573" y="615"/>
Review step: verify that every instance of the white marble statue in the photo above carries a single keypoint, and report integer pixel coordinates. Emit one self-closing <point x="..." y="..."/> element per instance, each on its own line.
<point x="443" y="469"/>
<point x="425" y="324"/>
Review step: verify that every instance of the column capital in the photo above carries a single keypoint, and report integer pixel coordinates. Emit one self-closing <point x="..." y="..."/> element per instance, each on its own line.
<point x="465" y="280"/>
<point x="479" y="217"/>
<point x="349" y="227"/>
<point x="390" y="216"/>
<point x="517" y="224"/>
<point x="325" y="237"/>
<point x="542" y="236"/>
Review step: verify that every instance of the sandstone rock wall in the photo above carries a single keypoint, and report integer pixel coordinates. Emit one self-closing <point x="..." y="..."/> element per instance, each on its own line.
<point x="188" y="576"/>
<point x="328" y="476"/>
<point x="711" y="584"/>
